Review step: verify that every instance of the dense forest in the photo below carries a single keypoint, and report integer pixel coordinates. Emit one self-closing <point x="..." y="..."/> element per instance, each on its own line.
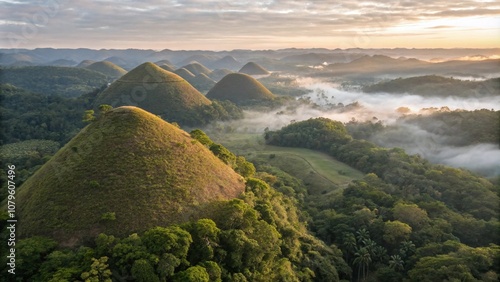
<point x="458" y="128"/>
<point x="407" y="219"/>
<point x="50" y="80"/>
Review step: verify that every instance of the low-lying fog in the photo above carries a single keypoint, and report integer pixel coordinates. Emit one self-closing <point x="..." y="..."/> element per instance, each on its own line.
<point x="481" y="158"/>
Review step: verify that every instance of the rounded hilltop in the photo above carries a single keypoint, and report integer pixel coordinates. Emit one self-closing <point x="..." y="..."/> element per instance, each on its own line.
<point x="125" y="172"/>
<point x="252" y="68"/>
<point x="155" y="90"/>
<point x="240" y="88"/>
<point x="107" y="68"/>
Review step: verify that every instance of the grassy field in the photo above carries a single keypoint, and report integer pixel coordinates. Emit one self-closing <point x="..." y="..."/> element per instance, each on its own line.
<point x="320" y="172"/>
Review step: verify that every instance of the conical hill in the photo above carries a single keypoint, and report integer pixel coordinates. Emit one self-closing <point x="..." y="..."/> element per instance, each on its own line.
<point x="252" y="68"/>
<point x="155" y="90"/>
<point x="239" y="88"/>
<point x="125" y="172"/>
<point x="107" y="68"/>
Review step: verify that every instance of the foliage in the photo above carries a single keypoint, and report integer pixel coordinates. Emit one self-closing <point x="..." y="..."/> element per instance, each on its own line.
<point x="433" y="85"/>
<point x="50" y="80"/>
<point x="403" y="214"/>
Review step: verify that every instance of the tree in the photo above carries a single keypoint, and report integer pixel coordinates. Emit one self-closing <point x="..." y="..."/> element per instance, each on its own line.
<point x="363" y="260"/>
<point x="99" y="271"/>
<point x="104" y="108"/>
<point x="194" y="274"/>
<point x="142" y="271"/>
<point x="88" y="116"/>
<point x="396" y="262"/>
<point x="395" y="232"/>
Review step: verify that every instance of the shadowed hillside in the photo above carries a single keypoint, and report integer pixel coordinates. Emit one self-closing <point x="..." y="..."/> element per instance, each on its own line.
<point x="252" y="68"/>
<point x="239" y="88"/>
<point x="128" y="165"/>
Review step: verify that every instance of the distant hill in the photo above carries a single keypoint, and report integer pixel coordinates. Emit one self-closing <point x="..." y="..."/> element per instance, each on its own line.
<point x="107" y="68"/>
<point x="85" y="63"/>
<point x="129" y="164"/>
<point x="218" y="74"/>
<point x="227" y="62"/>
<point x="198" y="58"/>
<point x="184" y="73"/>
<point x="433" y="85"/>
<point x="240" y="89"/>
<point x="62" y="63"/>
<point x="156" y="90"/>
<point x="202" y="82"/>
<point x="252" y="68"/>
<point x="197" y="68"/>
<point x="50" y="80"/>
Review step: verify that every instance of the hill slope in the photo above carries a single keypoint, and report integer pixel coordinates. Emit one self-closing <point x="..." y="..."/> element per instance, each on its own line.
<point x="239" y="88"/>
<point x="155" y="90"/>
<point x="130" y="163"/>
<point x="252" y="68"/>
<point x="107" y="68"/>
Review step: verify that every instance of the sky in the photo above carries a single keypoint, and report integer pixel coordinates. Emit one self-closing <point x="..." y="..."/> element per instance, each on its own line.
<point x="240" y="24"/>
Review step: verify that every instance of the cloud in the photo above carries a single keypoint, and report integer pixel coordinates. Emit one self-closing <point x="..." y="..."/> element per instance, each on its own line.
<point x="79" y="23"/>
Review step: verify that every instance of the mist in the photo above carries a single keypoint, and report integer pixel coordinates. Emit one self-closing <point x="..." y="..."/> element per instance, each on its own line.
<point x="359" y="106"/>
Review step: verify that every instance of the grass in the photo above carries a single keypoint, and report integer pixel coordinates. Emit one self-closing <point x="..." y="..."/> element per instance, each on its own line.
<point x="155" y="90"/>
<point x="252" y="68"/>
<point x="320" y="172"/>
<point x="107" y="68"/>
<point x="239" y="88"/>
<point x="130" y="163"/>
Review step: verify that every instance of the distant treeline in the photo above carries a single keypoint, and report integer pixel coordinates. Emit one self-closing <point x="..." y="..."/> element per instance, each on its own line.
<point x="433" y="85"/>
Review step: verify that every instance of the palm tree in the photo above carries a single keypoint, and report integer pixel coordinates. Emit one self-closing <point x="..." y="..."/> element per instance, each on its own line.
<point x="349" y="244"/>
<point x="407" y="249"/>
<point x="396" y="263"/>
<point x="362" y="235"/>
<point x="363" y="259"/>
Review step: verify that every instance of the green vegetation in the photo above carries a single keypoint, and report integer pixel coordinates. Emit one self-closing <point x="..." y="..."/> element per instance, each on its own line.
<point x="239" y="89"/>
<point x="107" y="68"/>
<point x="458" y="128"/>
<point x="433" y="85"/>
<point x="407" y="218"/>
<point x="48" y="80"/>
<point x="252" y="68"/>
<point x="25" y="115"/>
<point x="197" y="68"/>
<point x="257" y="237"/>
<point x="160" y="175"/>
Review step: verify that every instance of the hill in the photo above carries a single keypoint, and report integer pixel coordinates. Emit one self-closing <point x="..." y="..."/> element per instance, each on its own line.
<point x="129" y="164"/>
<point x="184" y="73"/>
<point x="107" y="68"/>
<point x="219" y="74"/>
<point x="240" y="89"/>
<point x="197" y="68"/>
<point x="85" y="63"/>
<point x="202" y="82"/>
<point x="227" y="62"/>
<point x="155" y="90"/>
<point x="433" y="85"/>
<point x="252" y="68"/>
<point x="50" y="80"/>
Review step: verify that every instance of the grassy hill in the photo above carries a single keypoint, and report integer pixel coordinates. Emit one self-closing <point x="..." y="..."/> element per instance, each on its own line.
<point x="219" y="74"/>
<point x="197" y="68"/>
<point x="155" y="90"/>
<point x="107" y="68"/>
<point x="126" y="172"/>
<point x="50" y="80"/>
<point x="252" y="68"/>
<point x="240" y="89"/>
